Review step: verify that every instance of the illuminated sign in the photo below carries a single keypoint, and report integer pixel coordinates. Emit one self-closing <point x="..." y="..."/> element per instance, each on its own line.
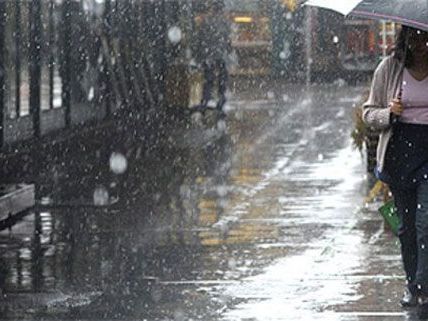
<point x="243" y="19"/>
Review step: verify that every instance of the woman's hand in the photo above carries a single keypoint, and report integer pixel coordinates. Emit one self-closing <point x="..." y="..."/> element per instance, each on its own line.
<point x="396" y="107"/>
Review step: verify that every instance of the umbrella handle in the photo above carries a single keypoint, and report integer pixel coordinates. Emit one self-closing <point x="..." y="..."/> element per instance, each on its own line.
<point x="400" y="93"/>
<point x="394" y="117"/>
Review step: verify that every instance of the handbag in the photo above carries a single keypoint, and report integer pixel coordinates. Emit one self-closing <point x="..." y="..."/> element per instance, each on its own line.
<point x="390" y="215"/>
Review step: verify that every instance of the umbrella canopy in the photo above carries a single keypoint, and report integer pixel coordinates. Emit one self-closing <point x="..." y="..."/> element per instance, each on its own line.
<point x="343" y="7"/>
<point x="412" y="13"/>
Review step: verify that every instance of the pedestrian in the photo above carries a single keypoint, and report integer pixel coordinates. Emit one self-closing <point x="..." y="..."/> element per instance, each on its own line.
<point x="214" y="46"/>
<point x="398" y="106"/>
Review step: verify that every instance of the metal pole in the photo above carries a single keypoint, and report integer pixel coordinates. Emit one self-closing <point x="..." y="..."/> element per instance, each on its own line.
<point x="18" y="41"/>
<point x="2" y="67"/>
<point x="106" y="74"/>
<point x="308" y="35"/>
<point x="51" y="53"/>
<point x="188" y="29"/>
<point x="66" y="63"/>
<point x="35" y="63"/>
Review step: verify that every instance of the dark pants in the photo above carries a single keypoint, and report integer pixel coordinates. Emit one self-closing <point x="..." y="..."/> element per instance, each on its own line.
<point x="212" y="70"/>
<point x="412" y="206"/>
<point x="406" y="162"/>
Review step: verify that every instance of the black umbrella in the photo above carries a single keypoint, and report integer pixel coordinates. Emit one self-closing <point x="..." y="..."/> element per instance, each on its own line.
<point x="412" y="13"/>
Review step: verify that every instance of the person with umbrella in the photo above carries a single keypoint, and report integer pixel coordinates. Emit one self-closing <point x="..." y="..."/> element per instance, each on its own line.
<point x="398" y="106"/>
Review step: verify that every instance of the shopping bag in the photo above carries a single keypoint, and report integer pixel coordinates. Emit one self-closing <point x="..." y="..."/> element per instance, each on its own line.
<point x="390" y="215"/>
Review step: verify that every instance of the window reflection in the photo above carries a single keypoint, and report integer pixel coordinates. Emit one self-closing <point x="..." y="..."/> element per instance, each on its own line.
<point x="17" y="58"/>
<point x="51" y="82"/>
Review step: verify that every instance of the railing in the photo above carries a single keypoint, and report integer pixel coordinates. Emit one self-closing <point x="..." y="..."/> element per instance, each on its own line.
<point x="66" y="62"/>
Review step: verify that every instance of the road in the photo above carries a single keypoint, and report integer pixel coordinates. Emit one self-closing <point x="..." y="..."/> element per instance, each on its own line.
<point x="258" y="216"/>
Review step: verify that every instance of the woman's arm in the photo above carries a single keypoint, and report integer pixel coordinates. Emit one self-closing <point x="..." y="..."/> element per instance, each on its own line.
<point x="376" y="112"/>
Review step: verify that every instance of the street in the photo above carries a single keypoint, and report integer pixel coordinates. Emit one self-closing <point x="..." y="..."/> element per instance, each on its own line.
<point x="259" y="216"/>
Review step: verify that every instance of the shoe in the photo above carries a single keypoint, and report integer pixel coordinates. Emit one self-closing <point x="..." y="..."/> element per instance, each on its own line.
<point x="422" y="311"/>
<point x="408" y="300"/>
<point x="211" y="104"/>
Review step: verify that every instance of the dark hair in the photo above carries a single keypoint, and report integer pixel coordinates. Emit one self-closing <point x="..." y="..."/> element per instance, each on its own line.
<point x="401" y="50"/>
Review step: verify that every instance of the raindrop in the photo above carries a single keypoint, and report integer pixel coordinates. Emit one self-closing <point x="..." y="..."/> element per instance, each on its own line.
<point x="423" y="246"/>
<point x="185" y="191"/>
<point x="156" y="294"/>
<point x="419" y="206"/>
<point x="320" y="157"/>
<point x="239" y="115"/>
<point x="221" y="125"/>
<point x="196" y="118"/>
<point x="174" y="34"/>
<point x="212" y="103"/>
<point x="91" y="94"/>
<point x="222" y="203"/>
<point x="286" y="51"/>
<point x="340" y="82"/>
<point x="101" y="196"/>
<point x="271" y="95"/>
<point x="335" y="39"/>
<point x="179" y="315"/>
<point x="232" y="264"/>
<point x="118" y="163"/>
<point x="157" y="197"/>
<point x="222" y="191"/>
<point x="223" y="226"/>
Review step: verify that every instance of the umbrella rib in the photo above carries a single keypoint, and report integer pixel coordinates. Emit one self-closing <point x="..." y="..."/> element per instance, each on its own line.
<point x="388" y="17"/>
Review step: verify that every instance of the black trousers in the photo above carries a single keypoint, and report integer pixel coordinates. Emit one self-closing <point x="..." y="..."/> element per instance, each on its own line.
<point x="412" y="207"/>
<point x="406" y="163"/>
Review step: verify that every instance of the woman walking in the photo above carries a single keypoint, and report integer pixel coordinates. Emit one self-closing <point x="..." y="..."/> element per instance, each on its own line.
<point x="398" y="105"/>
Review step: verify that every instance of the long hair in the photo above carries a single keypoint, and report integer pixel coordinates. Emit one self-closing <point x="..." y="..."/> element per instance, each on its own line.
<point x="401" y="50"/>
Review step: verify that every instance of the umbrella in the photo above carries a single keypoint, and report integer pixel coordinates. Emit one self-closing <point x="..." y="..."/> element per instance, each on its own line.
<point x="412" y="13"/>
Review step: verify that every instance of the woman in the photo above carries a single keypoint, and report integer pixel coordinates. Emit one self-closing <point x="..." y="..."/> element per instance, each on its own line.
<point x="398" y="105"/>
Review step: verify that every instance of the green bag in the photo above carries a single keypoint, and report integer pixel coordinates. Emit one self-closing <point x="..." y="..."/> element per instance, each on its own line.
<point x="389" y="213"/>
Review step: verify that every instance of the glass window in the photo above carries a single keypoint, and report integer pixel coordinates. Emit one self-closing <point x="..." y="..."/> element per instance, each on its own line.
<point x="17" y="59"/>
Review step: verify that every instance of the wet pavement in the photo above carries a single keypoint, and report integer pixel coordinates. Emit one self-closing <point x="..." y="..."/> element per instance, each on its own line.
<point x="257" y="216"/>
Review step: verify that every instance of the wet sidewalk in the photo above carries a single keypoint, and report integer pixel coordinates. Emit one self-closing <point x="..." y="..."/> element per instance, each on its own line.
<point x="259" y="216"/>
